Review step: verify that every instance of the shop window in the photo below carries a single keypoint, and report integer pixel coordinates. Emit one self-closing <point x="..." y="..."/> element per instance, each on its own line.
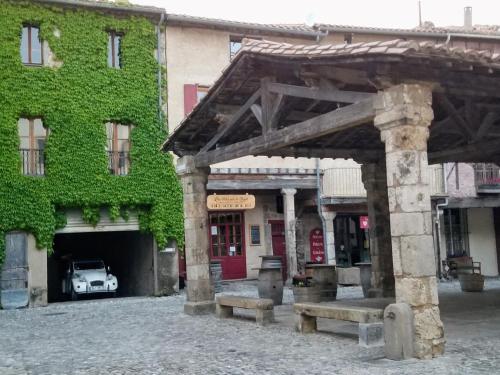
<point x="118" y="148"/>
<point x="456" y="232"/>
<point x="226" y="234"/>
<point x="114" y="49"/>
<point x="32" y="139"/>
<point x="31" y="46"/>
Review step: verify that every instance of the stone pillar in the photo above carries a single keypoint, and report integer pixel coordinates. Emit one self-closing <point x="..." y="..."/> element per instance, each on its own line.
<point x="404" y="114"/>
<point x="329" y="216"/>
<point x="375" y="181"/>
<point x="290" y="235"/>
<point x="200" y="289"/>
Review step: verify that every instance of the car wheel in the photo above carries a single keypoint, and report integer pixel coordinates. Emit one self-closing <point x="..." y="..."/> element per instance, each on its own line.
<point x="113" y="295"/>
<point x="74" y="295"/>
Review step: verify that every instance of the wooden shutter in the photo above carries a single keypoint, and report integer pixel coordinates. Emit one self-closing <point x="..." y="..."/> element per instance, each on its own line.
<point x="190" y="98"/>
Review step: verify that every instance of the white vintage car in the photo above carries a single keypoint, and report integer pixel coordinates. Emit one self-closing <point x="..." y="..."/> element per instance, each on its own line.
<point x="88" y="277"/>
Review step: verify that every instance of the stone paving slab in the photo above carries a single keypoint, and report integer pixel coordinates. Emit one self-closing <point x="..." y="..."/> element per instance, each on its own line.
<point x="153" y="336"/>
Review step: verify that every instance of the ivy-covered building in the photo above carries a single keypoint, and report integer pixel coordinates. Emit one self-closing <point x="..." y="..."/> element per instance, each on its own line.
<point x="81" y="124"/>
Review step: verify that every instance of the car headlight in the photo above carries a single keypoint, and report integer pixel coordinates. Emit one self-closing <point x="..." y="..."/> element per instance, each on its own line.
<point x="109" y="277"/>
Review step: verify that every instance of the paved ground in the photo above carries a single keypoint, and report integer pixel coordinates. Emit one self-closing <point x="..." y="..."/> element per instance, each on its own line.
<point x="153" y="336"/>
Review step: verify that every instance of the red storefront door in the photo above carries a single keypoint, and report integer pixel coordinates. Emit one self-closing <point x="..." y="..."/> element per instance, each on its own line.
<point x="279" y="245"/>
<point x="227" y="243"/>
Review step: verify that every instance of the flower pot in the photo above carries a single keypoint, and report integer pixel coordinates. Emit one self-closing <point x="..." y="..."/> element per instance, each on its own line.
<point x="325" y="277"/>
<point x="471" y="282"/>
<point x="307" y="294"/>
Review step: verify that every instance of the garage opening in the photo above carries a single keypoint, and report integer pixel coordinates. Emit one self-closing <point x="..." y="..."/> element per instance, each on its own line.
<point x="128" y="254"/>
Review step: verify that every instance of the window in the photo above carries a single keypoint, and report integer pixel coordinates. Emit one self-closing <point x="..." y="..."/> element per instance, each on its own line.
<point x="118" y="148"/>
<point x="234" y="46"/>
<point x="456" y="232"/>
<point x="114" y="49"/>
<point x="254" y="234"/>
<point x="192" y="96"/>
<point x="31" y="46"/>
<point x="32" y="138"/>
<point x="348" y="38"/>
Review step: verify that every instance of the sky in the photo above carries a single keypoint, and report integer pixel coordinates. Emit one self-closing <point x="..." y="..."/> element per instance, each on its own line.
<point x="384" y="13"/>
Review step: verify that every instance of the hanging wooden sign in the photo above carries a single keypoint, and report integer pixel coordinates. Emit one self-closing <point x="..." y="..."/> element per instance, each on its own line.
<point x="231" y="202"/>
<point x="317" y="246"/>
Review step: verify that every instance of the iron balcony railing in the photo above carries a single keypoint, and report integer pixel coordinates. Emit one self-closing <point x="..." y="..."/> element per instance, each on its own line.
<point x="487" y="178"/>
<point x="32" y="162"/>
<point x="347" y="182"/>
<point x="119" y="162"/>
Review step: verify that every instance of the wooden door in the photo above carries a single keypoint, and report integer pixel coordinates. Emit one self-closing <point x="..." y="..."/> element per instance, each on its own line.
<point x="279" y="244"/>
<point x="227" y="243"/>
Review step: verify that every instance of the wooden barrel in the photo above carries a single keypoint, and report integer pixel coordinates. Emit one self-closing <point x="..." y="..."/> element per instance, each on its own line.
<point x="216" y="273"/>
<point x="271" y="284"/>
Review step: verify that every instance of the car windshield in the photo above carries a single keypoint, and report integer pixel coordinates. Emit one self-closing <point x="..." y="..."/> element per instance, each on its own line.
<point x="89" y="265"/>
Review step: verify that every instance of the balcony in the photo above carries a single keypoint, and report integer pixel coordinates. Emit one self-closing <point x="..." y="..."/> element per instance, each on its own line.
<point x="119" y="162"/>
<point x="487" y="178"/>
<point x="32" y="162"/>
<point x="347" y="183"/>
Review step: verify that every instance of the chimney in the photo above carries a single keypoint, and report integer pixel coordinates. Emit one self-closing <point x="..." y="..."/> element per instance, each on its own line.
<point x="468" y="18"/>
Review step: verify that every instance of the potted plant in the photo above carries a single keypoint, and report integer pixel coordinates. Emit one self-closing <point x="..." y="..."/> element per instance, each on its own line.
<point x="305" y="289"/>
<point x="471" y="282"/>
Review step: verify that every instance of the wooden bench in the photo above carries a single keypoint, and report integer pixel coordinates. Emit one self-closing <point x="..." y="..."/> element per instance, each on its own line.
<point x="264" y="307"/>
<point x="371" y="331"/>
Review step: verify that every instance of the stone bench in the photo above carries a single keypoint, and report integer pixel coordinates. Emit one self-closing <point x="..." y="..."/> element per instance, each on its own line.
<point x="371" y="320"/>
<point x="264" y="307"/>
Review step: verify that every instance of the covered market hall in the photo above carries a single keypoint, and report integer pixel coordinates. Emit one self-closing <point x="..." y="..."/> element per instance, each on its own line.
<point x="395" y="107"/>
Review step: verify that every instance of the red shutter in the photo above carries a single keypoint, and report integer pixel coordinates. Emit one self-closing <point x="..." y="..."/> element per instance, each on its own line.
<point x="190" y="98"/>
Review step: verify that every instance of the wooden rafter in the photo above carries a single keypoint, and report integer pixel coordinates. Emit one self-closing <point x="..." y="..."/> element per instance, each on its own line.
<point x="319" y="93"/>
<point x="340" y="119"/>
<point x="459" y="121"/>
<point x="233" y="121"/>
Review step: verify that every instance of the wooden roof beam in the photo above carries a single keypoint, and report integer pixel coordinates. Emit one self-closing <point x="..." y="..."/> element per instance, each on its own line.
<point x="340" y="119"/>
<point x="319" y="93"/>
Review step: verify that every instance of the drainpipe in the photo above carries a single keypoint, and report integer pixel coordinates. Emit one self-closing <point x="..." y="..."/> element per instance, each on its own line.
<point x="438" y="222"/>
<point x="320" y="211"/>
<point x="158" y="37"/>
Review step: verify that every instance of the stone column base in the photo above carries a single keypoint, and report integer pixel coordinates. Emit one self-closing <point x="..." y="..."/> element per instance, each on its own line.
<point x="199" y="308"/>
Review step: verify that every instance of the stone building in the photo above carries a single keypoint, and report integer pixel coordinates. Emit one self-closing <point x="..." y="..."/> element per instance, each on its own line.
<point x="81" y="170"/>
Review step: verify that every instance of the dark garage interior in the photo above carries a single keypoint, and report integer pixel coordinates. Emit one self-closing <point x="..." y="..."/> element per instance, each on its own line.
<point x="128" y="254"/>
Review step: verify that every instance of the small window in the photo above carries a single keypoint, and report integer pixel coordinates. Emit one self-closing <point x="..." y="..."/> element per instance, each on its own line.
<point x="32" y="138"/>
<point x="31" y="46"/>
<point x="118" y="148"/>
<point x="255" y="235"/>
<point x="234" y="46"/>
<point x="348" y="38"/>
<point x="114" y="49"/>
<point x="201" y="92"/>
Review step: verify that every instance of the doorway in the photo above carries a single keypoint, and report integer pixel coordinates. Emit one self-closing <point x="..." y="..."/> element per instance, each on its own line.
<point x="227" y="243"/>
<point x="279" y="244"/>
<point x="352" y="243"/>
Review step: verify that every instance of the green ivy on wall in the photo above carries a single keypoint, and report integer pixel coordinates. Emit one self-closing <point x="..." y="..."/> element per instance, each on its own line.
<point x="75" y="101"/>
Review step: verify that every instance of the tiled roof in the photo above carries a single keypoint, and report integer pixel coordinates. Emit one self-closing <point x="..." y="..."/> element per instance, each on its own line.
<point x="276" y="27"/>
<point x="393" y="47"/>
<point x="477" y="30"/>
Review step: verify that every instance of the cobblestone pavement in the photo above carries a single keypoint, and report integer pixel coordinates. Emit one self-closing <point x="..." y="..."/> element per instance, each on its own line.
<point x="153" y="336"/>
